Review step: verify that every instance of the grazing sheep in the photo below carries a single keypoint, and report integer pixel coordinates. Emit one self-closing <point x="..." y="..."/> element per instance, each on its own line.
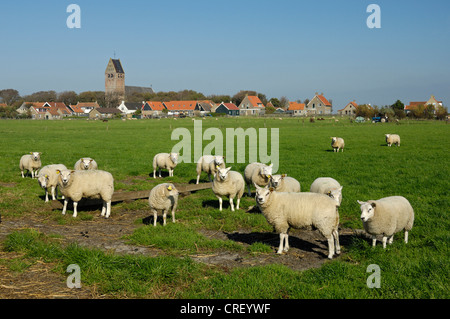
<point x="208" y="164"/>
<point x="257" y="173"/>
<point x="162" y="198"/>
<point x="85" y="163"/>
<point x="328" y="186"/>
<point x="30" y="162"/>
<point x="228" y="183"/>
<point x="166" y="161"/>
<point x="392" y="139"/>
<point x="300" y="210"/>
<point x="337" y="143"/>
<point x="284" y="183"/>
<point x="75" y="185"/>
<point x="48" y="178"/>
<point x="387" y="216"/>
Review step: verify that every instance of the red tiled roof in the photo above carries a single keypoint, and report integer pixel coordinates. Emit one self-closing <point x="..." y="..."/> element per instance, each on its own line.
<point x="76" y="109"/>
<point x="155" y="105"/>
<point x="230" y="106"/>
<point x="324" y="100"/>
<point x="294" y="106"/>
<point x="53" y="110"/>
<point x="180" y="105"/>
<point x="254" y="100"/>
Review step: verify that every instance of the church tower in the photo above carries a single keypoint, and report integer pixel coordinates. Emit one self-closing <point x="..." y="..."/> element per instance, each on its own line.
<point x="114" y="80"/>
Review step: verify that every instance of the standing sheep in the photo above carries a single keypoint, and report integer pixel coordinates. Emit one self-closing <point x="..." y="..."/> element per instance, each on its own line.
<point x="228" y="183"/>
<point x="392" y="139"/>
<point x="387" y="216"/>
<point x="85" y="163"/>
<point x="30" y="162"/>
<point x="48" y="178"/>
<point x="208" y="164"/>
<point x="337" y="143"/>
<point x="300" y="210"/>
<point x="162" y="198"/>
<point x="328" y="186"/>
<point x="76" y="185"/>
<point x="284" y="183"/>
<point x="166" y="161"/>
<point x="257" y="173"/>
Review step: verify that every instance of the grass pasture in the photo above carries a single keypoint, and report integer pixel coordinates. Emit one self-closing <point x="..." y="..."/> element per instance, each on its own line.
<point x="418" y="170"/>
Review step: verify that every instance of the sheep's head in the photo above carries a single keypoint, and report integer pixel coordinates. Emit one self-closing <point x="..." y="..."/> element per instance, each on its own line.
<point x="336" y="194"/>
<point x="174" y="157"/>
<point x="36" y="156"/>
<point x="64" y="176"/>
<point x="275" y="180"/>
<point x="85" y="163"/>
<point x="43" y="180"/>
<point x="387" y="135"/>
<point x="333" y="140"/>
<point x="367" y="210"/>
<point x="170" y="190"/>
<point x="222" y="173"/>
<point x="218" y="160"/>
<point x="266" y="171"/>
<point x="262" y="194"/>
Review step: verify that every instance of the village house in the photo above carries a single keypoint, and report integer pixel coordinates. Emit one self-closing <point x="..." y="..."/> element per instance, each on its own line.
<point x="296" y="109"/>
<point x="228" y="108"/>
<point x="251" y="105"/>
<point x="349" y="110"/>
<point x="318" y="105"/>
<point x="87" y="107"/>
<point x="77" y="110"/>
<point x="152" y="108"/>
<point x="181" y="107"/>
<point x="129" y="108"/>
<point x="431" y="101"/>
<point x="203" y="107"/>
<point x="104" y="113"/>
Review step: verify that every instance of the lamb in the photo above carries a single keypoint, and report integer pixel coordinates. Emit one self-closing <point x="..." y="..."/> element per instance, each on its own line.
<point x="166" y="161"/>
<point x="85" y="163"/>
<point x="75" y="185"/>
<point x="48" y="178"/>
<point x="208" y="164"/>
<point x="300" y="210"/>
<point x="387" y="216"/>
<point x="30" y="162"/>
<point x="328" y="186"/>
<point x="284" y="183"/>
<point x="257" y="173"/>
<point x="337" y="143"/>
<point x="162" y="198"/>
<point x="392" y="139"/>
<point x="228" y="183"/>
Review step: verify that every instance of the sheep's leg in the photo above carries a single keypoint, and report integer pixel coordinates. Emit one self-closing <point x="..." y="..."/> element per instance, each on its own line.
<point x="46" y="195"/>
<point x="22" y="174"/>
<point x="286" y="242"/>
<point x="155" y="216"/>
<point x="108" y="209"/>
<point x="209" y="177"/>
<point x="238" y="200"/>
<point x="336" y="241"/>
<point x="160" y="172"/>
<point x="173" y="215"/>
<point x="103" y="209"/>
<point x="53" y="192"/>
<point x="384" y="241"/>
<point x="65" y="206"/>
<point x="406" y="236"/>
<point x="220" y="202"/>
<point x="231" y="204"/>
<point x="280" y="247"/>
<point x="75" y="204"/>
<point x="391" y="240"/>
<point x="154" y="173"/>
<point x="249" y="192"/>
<point x="198" y="178"/>
<point x="330" y="246"/>
<point x="374" y="241"/>
<point x="164" y="217"/>
<point x="32" y="173"/>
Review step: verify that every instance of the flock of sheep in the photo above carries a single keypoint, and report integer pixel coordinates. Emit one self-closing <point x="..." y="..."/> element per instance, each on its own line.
<point x="278" y="197"/>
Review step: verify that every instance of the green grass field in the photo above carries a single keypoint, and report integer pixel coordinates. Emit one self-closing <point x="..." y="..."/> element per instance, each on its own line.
<point x="368" y="169"/>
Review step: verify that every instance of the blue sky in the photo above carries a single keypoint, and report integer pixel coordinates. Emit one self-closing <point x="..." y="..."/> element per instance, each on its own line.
<point x="279" y="48"/>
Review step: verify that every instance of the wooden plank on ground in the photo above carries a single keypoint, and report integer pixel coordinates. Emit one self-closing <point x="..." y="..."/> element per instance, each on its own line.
<point x="183" y="189"/>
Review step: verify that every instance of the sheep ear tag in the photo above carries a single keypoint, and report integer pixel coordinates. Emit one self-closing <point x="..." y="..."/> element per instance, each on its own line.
<point x="46" y="176"/>
<point x="58" y="171"/>
<point x="169" y="188"/>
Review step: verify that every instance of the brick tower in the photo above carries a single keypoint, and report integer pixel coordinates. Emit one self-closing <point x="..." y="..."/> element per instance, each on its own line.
<point x="114" y="80"/>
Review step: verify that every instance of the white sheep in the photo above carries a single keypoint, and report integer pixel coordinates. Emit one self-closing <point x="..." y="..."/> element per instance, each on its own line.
<point x="328" y="186"/>
<point x="387" y="216"/>
<point x="392" y="139"/>
<point x="228" y="183"/>
<point x="300" y="210"/>
<point x="76" y="185"/>
<point x="337" y="143"/>
<point x="163" y="198"/>
<point x="284" y="183"/>
<point x="208" y="164"/>
<point x="48" y="178"/>
<point x="257" y="173"/>
<point x="166" y="161"/>
<point x="85" y="163"/>
<point x="30" y="162"/>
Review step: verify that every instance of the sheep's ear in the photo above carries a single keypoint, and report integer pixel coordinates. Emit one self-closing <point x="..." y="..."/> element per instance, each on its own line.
<point x="228" y="169"/>
<point x="72" y="171"/>
<point x="169" y="188"/>
<point x="283" y="175"/>
<point x="217" y="166"/>
<point x="256" y="186"/>
<point x="31" y="153"/>
<point x="91" y="161"/>
<point x="271" y="189"/>
<point x="58" y="171"/>
<point x="46" y="176"/>
<point x="40" y="153"/>
<point x="329" y="193"/>
<point x="373" y="205"/>
<point x="360" y="202"/>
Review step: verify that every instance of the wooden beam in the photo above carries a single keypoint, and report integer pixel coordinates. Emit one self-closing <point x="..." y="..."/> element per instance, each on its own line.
<point x="183" y="189"/>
